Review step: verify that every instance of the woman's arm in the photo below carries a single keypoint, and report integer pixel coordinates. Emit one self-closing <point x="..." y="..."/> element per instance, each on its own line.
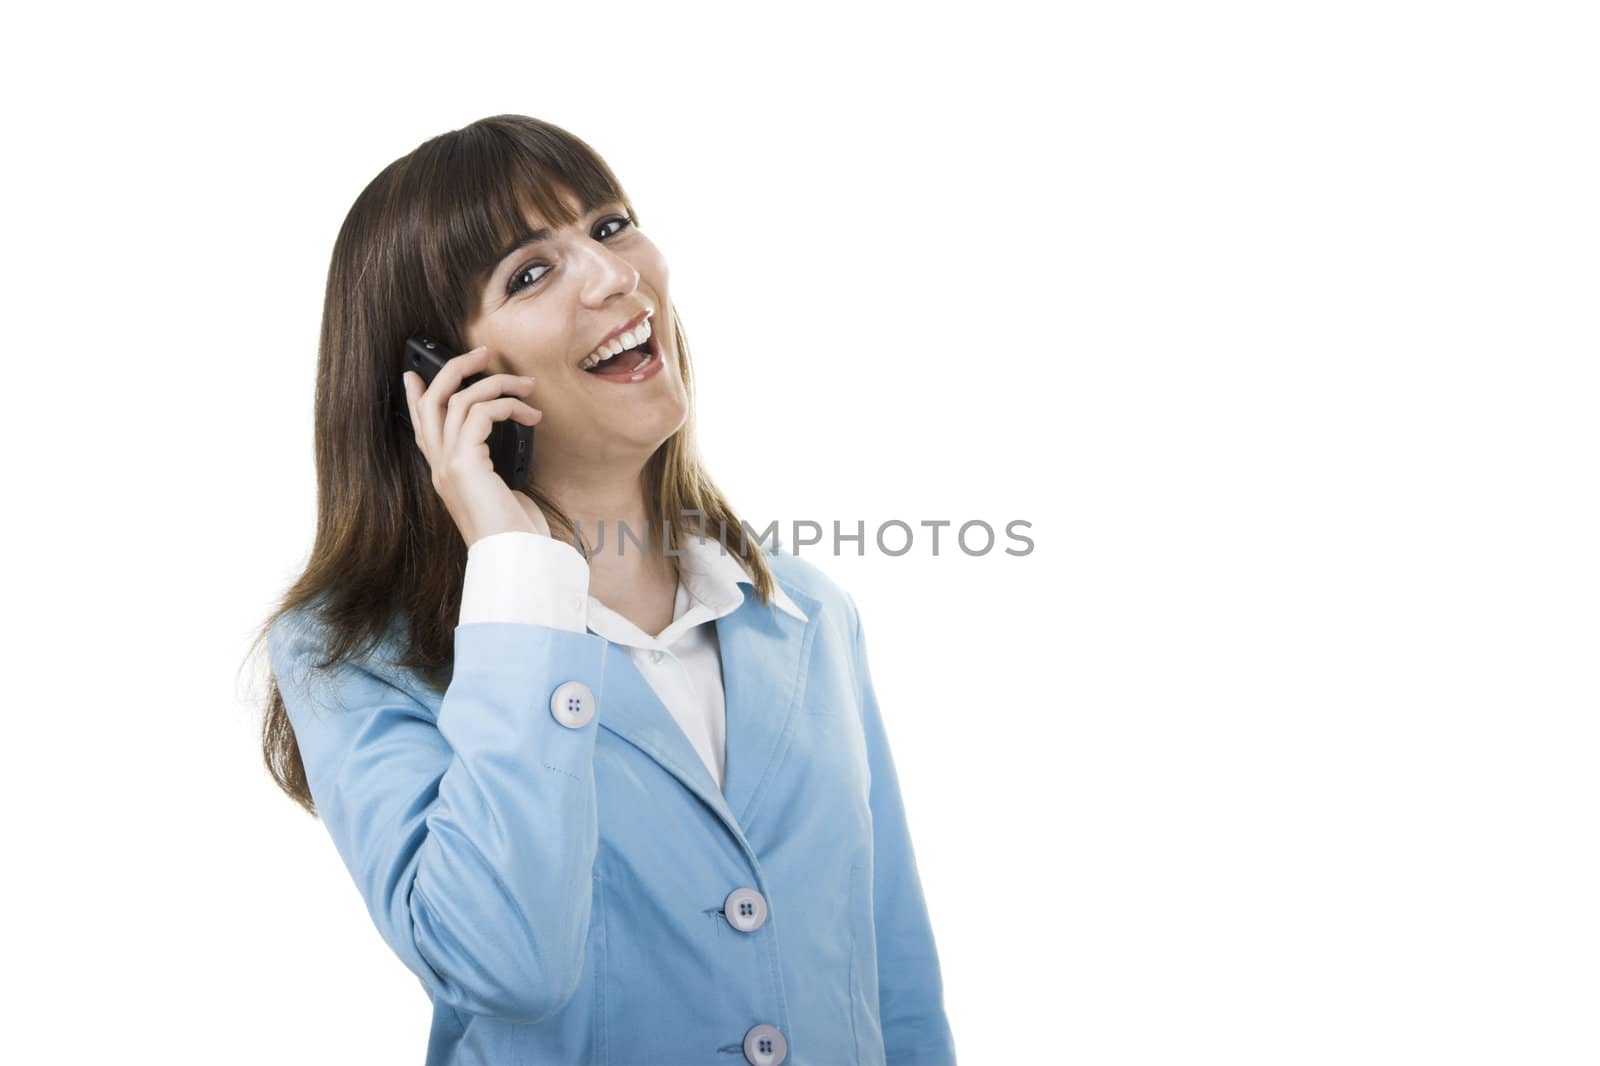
<point x="471" y="837"/>
<point x="910" y="990"/>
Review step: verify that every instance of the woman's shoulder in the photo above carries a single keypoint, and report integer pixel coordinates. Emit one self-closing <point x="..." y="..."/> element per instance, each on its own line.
<point x="300" y="641"/>
<point x="804" y="579"/>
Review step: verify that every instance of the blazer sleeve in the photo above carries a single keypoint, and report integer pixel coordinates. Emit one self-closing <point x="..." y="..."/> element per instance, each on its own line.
<point x="910" y="989"/>
<point x="472" y="834"/>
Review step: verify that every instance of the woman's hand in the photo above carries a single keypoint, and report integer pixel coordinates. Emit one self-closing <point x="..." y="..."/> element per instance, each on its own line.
<point x="452" y="429"/>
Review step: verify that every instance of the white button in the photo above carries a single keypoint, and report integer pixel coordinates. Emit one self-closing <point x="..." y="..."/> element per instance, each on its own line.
<point x="572" y="704"/>
<point x="745" y="909"/>
<point x="764" y="1045"/>
<point x="655" y="656"/>
<point x="580" y="602"/>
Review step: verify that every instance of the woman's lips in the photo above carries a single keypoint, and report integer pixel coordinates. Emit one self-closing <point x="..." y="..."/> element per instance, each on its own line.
<point x="613" y="370"/>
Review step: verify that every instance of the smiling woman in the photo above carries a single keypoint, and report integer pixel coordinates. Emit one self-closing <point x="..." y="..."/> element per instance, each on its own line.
<point x="630" y="808"/>
<point x="589" y="294"/>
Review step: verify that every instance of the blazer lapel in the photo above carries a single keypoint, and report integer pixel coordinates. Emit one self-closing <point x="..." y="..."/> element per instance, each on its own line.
<point x="764" y="654"/>
<point x="764" y="650"/>
<point x="630" y="708"/>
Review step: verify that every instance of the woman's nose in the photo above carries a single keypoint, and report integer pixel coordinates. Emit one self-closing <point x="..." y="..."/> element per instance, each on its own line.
<point x="606" y="272"/>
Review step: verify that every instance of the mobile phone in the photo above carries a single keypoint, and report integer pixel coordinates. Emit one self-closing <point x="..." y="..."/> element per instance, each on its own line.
<point x="510" y="442"/>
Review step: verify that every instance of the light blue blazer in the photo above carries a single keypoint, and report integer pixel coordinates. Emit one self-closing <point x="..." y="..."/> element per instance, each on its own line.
<point x="564" y="877"/>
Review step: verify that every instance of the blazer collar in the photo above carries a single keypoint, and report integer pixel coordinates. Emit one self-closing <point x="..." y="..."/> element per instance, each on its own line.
<point x="713" y="575"/>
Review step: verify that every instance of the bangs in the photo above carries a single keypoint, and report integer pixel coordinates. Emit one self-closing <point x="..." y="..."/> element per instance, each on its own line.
<point x="479" y="187"/>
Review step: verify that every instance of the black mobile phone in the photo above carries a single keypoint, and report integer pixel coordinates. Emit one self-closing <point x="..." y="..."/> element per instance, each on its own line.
<point x="510" y="442"/>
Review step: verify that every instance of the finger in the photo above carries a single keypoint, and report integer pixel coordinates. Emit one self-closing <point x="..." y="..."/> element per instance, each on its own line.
<point x="490" y="388"/>
<point x="460" y="405"/>
<point x="448" y="380"/>
<point x="460" y="367"/>
<point x="483" y="416"/>
<point x="453" y="373"/>
<point x="411" y="394"/>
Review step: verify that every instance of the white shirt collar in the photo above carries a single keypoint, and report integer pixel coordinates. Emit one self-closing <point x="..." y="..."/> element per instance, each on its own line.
<point x="708" y="589"/>
<point x="713" y="574"/>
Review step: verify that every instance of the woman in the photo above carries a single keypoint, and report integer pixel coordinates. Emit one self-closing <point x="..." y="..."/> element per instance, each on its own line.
<point x="630" y="807"/>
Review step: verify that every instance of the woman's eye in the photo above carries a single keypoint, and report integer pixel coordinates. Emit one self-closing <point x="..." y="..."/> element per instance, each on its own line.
<point x="516" y="283"/>
<point x="624" y="220"/>
<point x="623" y="223"/>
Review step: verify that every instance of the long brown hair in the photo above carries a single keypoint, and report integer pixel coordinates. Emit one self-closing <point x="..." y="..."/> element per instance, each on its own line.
<point x="411" y="257"/>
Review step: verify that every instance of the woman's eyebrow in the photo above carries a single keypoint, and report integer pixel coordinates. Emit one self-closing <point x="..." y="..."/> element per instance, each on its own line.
<point x="535" y="236"/>
<point x="519" y="243"/>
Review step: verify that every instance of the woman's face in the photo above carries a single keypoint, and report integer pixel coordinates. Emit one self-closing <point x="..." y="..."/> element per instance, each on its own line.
<point x="548" y="305"/>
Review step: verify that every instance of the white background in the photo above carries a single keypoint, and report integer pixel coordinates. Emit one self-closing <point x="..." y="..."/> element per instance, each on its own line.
<point x="1276" y="321"/>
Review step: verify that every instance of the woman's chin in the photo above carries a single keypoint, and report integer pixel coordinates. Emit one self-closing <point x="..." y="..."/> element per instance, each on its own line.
<point x="640" y="439"/>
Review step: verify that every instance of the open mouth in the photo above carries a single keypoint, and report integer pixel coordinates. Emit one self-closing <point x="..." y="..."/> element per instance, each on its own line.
<point x="629" y="360"/>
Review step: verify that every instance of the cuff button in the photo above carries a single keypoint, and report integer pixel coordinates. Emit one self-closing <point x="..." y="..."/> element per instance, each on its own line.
<point x="572" y="704"/>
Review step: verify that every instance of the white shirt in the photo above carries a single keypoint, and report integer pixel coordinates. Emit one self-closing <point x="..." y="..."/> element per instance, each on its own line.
<point x="530" y="578"/>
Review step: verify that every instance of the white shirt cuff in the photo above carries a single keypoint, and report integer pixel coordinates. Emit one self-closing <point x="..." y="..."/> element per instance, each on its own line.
<point x="529" y="578"/>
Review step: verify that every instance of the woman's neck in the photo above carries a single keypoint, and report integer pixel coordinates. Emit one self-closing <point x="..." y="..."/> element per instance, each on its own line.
<point x="631" y="569"/>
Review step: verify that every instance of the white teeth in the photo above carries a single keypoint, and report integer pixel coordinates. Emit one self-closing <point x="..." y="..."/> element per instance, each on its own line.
<point x="634" y="337"/>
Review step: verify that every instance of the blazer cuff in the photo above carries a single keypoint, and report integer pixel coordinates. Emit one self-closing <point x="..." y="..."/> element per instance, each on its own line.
<point x="524" y="577"/>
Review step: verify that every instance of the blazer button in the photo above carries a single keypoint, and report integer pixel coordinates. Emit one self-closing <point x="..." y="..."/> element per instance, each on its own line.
<point x="764" y="1045"/>
<point x="745" y="909"/>
<point x="572" y="704"/>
